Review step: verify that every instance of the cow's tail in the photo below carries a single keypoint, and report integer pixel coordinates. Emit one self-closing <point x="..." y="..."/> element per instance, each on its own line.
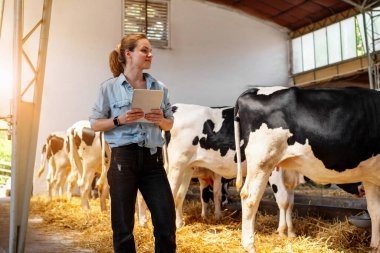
<point x="239" y="176"/>
<point x="43" y="159"/>
<point x="75" y="160"/>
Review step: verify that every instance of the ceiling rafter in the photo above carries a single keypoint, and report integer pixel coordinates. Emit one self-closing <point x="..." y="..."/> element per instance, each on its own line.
<point x="296" y="15"/>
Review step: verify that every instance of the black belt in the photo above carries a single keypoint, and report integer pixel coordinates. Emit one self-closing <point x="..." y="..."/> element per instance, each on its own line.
<point x="134" y="146"/>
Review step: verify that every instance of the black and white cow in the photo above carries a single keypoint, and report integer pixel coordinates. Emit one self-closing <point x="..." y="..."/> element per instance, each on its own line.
<point x="329" y="135"/>
<point x="203" y="137"/>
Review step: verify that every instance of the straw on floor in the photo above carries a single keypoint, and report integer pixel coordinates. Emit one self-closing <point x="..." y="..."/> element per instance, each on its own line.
<point x="92" y="231"/>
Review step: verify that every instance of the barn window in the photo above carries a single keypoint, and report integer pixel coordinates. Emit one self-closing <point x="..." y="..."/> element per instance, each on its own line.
<point x="149" y="16"/>
<point x="335" y="43"/>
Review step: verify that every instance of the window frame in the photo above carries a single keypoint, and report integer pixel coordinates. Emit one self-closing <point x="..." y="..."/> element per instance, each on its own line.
<point x="145" y="26"/>
<point x="331" y="60"/>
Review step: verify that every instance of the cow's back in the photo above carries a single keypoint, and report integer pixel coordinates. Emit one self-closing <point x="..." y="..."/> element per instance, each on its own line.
<point x="203" y="137"/>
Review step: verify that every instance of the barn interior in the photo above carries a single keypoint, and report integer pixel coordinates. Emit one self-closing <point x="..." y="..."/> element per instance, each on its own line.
<point x="304" y="17"/>
<point x="296" y="18"/>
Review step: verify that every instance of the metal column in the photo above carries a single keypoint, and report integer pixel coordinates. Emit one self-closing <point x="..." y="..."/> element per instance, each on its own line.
<point x="363" y="7"/>
<point x="25" y="123"/>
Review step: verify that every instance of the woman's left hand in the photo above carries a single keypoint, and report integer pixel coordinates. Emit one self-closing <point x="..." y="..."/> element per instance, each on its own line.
<point x="155" y="116"/>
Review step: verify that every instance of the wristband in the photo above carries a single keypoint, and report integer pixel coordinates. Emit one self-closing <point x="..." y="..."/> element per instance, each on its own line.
<point x="116" y="121"/>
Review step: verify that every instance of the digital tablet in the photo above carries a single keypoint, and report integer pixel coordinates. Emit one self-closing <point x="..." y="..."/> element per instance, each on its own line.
<point x="147" y="100"/>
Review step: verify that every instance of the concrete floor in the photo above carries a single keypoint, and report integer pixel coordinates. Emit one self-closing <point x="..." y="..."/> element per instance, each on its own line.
<point x="38" y="240"/>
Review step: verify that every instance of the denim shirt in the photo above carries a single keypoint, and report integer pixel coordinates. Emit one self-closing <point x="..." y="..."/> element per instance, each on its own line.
<point x="114" y="99"/>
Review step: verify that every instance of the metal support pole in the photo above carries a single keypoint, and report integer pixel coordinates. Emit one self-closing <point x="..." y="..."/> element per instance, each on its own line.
<point x="26" y="123"/>
<point x="374" y="59"/>
<point x="15" y="209"/>
<point x="370" y="77"/>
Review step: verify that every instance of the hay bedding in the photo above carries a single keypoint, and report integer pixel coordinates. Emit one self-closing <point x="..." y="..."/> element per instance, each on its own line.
<point x="93" y="231"/>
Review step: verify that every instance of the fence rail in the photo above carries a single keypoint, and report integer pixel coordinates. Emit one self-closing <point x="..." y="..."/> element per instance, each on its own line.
<point x="5" y="168"/>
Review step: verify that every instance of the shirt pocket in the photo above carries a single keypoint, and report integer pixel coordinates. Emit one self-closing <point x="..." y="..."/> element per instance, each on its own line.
<point x="120" y="107"/>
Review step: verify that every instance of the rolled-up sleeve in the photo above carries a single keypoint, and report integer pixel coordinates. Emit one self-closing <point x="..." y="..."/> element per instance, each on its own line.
<point x="168" y="113"/>
<point x="101" y="108"/>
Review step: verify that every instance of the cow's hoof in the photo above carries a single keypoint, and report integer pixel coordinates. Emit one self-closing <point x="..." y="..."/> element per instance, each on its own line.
<point x="250" y="249"/>
<point x="291" y="234"/>
<point x="143" y="223"/>
<point x="85" y="208"/>
<point x="180" y="224"/>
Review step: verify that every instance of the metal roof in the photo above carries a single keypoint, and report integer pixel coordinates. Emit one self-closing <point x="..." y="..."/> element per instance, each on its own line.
<point x="295" y="14"/>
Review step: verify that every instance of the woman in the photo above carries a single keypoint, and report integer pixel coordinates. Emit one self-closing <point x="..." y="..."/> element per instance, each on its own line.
<point x="136" y="162"/>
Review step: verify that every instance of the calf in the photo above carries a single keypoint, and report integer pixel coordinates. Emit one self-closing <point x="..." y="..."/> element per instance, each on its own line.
<point x="89" y="153"/>
<point x="329" y="135"/>
<point x="54" y="153"/>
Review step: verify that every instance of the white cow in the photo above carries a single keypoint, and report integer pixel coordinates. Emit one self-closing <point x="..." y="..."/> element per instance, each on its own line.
<point x="54" y="152"/>
<point x="89" y="153"/>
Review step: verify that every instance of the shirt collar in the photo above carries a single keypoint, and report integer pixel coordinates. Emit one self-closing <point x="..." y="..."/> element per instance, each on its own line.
<point x="121" y="79"/>
<point x="150" y="81"/>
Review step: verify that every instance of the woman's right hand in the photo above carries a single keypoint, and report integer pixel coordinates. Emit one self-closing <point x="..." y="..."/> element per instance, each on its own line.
<point x="131" y="115"/>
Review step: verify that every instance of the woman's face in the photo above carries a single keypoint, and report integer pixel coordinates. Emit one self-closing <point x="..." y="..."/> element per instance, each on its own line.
<point x="141" y="56"/>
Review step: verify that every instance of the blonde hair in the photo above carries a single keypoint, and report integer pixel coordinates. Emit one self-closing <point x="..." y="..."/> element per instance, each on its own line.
<point x="117" y="59"/>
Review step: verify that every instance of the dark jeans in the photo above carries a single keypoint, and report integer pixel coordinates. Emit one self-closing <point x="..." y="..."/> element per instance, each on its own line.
<point x="133" y="167"/>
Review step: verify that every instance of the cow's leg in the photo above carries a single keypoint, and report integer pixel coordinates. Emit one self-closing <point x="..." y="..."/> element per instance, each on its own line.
<point x="179" y="183"/>
<point x="51" y="178"/>
<point x="203" y="184"/>
<point x="217" y="187"/>
<point x="85" y="188"/>
<point x="104" y="193"/>
<point x="50" y="186"/>
<point x="58" y="187"/>
<point x="372" y="192"/>
<point x="263" y="152"/>
<point x="276" y="182"/>
<point x="282" y="220"/>
<point x="141" y="210"/>
<point x="73" y="176"/>
<point x="61" y="180"/>
<point x="104" y="190"/>
<point x="285" y="201"/>
<point x="289" y="211"/>
<point x="251" y="193"/>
